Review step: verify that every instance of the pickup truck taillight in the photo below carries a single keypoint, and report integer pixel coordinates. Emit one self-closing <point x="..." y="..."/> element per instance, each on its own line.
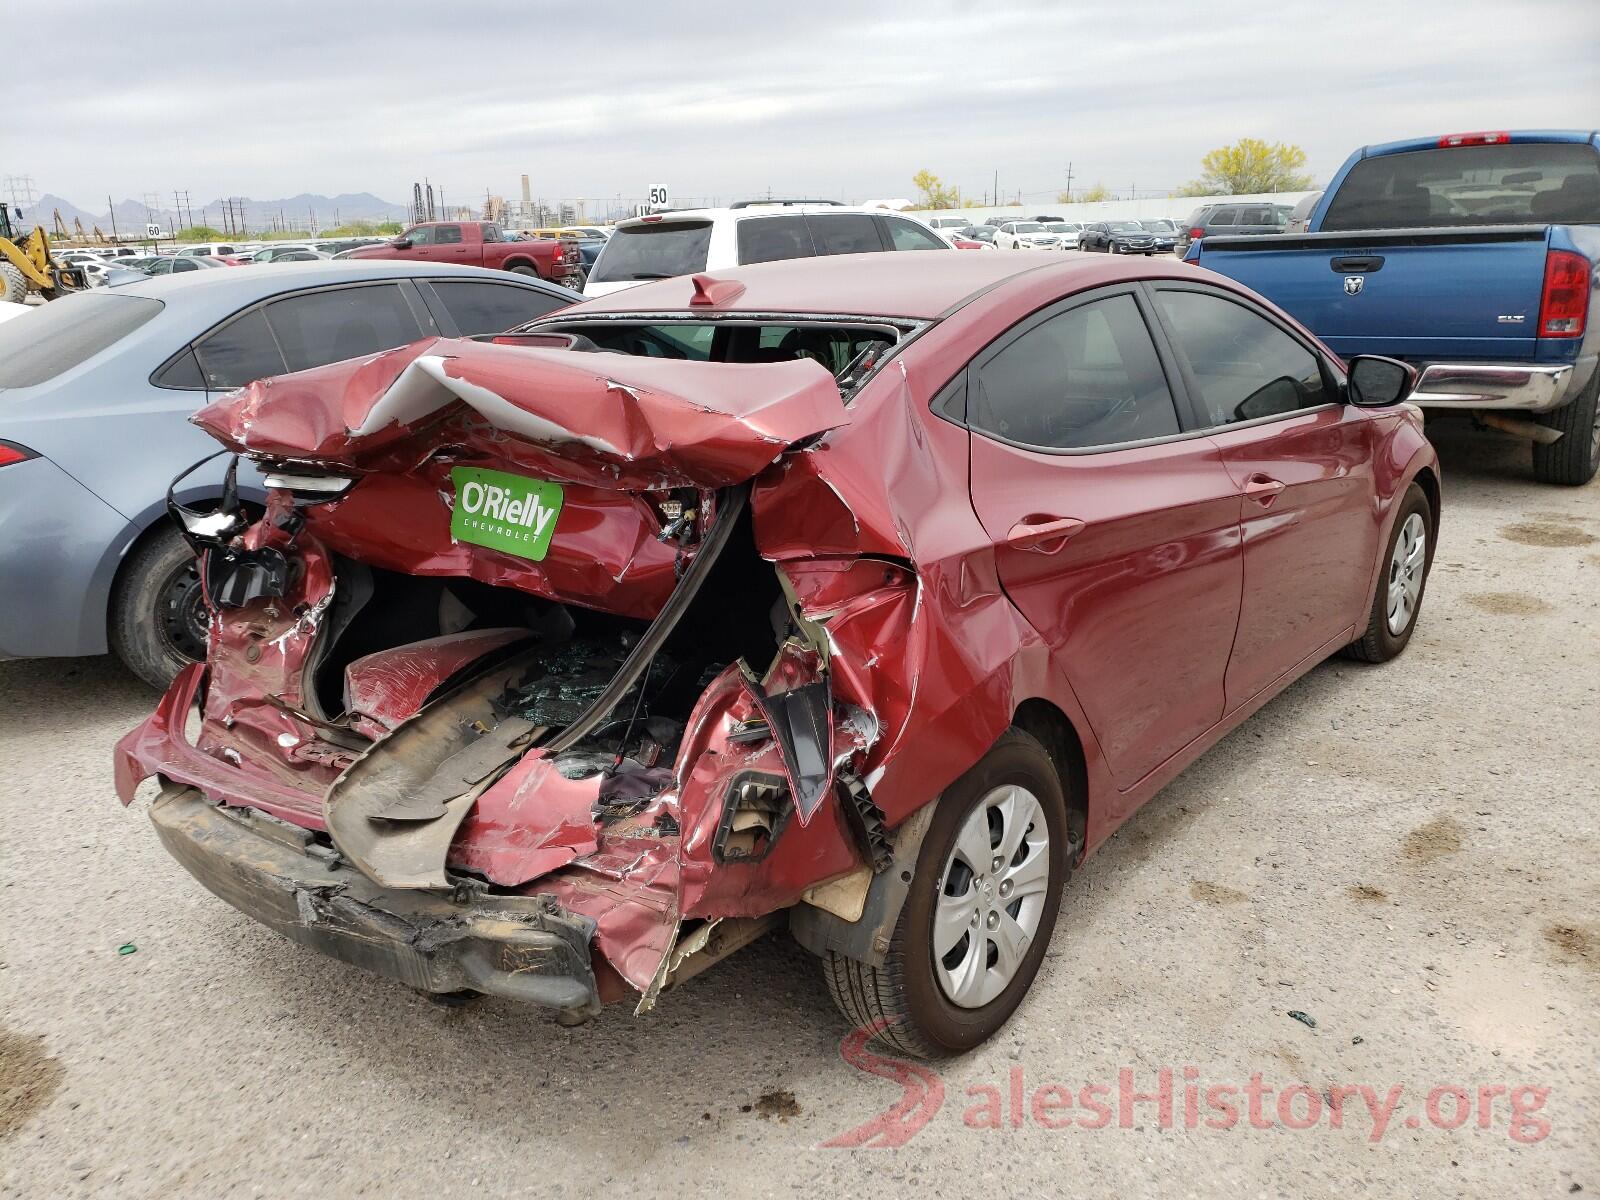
<point x="1564" y="306"/>
<point x="569" y="253"/>
<point x="10" y="453"/>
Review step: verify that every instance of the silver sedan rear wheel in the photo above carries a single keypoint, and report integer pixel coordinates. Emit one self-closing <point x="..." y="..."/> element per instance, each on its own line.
<point x="991" y="896"/>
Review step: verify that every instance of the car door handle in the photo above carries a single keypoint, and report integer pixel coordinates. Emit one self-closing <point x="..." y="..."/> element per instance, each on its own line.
<point x="1263" y="489"/>
<point x="1034" y="531"/>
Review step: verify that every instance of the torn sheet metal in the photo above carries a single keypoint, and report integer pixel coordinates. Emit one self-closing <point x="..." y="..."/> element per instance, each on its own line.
<point x="391" y="685"/>
<point x="608" y="419"/>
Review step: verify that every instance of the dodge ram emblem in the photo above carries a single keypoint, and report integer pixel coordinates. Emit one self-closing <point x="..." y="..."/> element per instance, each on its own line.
<point x="1353" y="284"/>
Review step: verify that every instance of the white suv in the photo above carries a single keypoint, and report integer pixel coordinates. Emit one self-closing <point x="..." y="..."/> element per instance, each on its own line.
<point x="1026" y="235"/>
<point x="665" y="244"/>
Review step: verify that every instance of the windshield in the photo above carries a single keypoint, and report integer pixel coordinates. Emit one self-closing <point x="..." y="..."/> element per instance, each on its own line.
<point x="1123" y="227"/>
<point x="1470" y="185"/>
<point x="1159" y="226"/>
<point x="1027" y="227"/>
<point x="657" y="251"/>
<point x="1059" y="227"/>
<point x="38" y="346"/>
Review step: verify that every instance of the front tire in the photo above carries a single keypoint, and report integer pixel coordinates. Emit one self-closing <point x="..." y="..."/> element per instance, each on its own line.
<point x="13" y="284"/>
<point x="1573" y="460"/>
<point x="158" y="614"/>
<point x="978" y="917"/>
<point x="1398" y="601"/>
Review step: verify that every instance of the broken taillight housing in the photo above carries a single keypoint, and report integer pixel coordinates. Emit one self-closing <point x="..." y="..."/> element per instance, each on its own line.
<point x="10" y="453"/>
<point x="1564" y="305"/>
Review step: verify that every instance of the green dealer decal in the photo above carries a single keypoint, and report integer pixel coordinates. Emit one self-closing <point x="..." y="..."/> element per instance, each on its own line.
<point x="504" y="512"/>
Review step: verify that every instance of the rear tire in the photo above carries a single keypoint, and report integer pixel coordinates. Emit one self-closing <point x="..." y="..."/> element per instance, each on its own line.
<point x="1385" y="637"/>
<point x="158" y="617"/>
<point x="13" y="283"/>
<point x="524" y="271"/>
<point x="1573" y="460"/>
<point x="909" y="999"/>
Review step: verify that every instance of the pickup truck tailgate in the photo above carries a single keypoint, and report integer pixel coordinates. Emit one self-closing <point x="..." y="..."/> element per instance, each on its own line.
<point x="1411" y="294"/>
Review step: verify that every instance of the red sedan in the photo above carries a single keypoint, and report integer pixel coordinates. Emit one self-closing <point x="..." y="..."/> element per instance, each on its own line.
<point x="863" y="595"/>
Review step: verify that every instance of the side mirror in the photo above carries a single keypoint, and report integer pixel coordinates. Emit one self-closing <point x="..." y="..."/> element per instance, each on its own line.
<point x="1378" y="382"/>
<point x="401" y="243"/>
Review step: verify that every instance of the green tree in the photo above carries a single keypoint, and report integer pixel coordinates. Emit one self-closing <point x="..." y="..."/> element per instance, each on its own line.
<point x="1251" y="167"/>
<point x="200" y="233"/>
<point x="932" y="191"/>
<point x="1095" y="194"/>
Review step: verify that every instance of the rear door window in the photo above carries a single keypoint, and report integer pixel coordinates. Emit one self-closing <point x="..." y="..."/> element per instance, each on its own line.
<point x="239" y="352"/>
<point x="338" y="323"/>
<point x="1083" y="378"/>
<point x="1223" y="216"/>
<point x="773" y="239"/>
<point x="653" y="251"/>
<point x="37" y="346"/>
<point x="845" y="233"/>
<point x="446" y="235"/>
<point x="492" y="307"/>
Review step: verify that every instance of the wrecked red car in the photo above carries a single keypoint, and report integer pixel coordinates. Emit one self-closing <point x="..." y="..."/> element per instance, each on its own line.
<point x="862" y="596"/>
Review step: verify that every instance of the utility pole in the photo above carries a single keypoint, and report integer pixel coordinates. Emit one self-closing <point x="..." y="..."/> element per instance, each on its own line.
<point x="1069" y="183"/>
<point x="997" y="187"/>
<point x="112" y="209"/>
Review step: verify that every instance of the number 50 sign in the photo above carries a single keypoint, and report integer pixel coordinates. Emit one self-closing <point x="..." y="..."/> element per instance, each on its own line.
<point x="658" y="195"/>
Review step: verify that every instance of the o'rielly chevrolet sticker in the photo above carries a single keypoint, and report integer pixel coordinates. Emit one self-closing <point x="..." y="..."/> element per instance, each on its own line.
<point x="504" y="512"/>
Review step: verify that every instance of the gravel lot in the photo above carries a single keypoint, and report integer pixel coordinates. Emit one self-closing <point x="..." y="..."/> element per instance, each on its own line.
<point x="1409" y="854"/>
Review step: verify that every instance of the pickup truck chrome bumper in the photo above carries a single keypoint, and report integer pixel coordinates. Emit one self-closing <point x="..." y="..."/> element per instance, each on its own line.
<point x="1492" y="386"/>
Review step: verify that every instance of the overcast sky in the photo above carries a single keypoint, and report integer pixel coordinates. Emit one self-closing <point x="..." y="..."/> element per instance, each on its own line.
<point x="718" y="99"/>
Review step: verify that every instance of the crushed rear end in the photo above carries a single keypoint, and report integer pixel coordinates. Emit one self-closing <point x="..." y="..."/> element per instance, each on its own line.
<point x="545" y="673"/>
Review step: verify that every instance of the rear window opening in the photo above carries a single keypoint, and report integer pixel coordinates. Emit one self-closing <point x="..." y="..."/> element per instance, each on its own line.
<point x="1470" y="185"/>
<point x="850" y="352"/>
<point x="653" y="251"/>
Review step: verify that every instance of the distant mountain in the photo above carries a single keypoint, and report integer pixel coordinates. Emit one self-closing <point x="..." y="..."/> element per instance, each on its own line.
<point x="293" y="212"/>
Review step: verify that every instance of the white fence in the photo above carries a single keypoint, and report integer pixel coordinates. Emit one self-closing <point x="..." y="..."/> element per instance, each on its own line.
<point x="1175" y="208"/>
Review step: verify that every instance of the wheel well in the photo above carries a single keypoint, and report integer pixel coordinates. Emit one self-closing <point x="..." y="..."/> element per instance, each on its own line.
<point x="1429" y="483"/>
<point x="162" y="524"/>
<point x="1055" y="732"/>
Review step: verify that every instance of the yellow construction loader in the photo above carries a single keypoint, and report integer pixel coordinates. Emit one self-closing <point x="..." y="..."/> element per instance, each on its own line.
<point x="26" y="266"/>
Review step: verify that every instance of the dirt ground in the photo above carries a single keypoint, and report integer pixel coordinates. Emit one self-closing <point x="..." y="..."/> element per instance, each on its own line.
<point x="1406" y="856"/>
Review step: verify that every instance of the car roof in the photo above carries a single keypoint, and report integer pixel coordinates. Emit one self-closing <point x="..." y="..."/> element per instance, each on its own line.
<point x="920" y="285"/>
<point x="755" y="208"/>
<point x="244" y="285"/>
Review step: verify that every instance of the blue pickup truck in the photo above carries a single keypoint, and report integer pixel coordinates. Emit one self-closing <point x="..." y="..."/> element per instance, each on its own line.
<point x="1472" y="256"/>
